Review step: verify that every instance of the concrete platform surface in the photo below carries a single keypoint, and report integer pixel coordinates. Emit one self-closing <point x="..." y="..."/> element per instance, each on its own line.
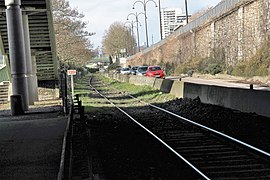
<point x="31" y="144"/>
<point x="232" y="83"/>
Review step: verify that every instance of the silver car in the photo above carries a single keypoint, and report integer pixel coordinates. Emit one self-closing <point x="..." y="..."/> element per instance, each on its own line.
<point x="133" y="70"/>
<point x="125" y="71"/>
<point x="141" y="71"/>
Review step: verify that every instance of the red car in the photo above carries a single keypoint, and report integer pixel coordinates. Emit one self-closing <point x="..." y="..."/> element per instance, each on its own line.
<point x="155" y="71"/>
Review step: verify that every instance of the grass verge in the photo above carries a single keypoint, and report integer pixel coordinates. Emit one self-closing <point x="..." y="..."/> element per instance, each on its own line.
<point x="94" y="103"/>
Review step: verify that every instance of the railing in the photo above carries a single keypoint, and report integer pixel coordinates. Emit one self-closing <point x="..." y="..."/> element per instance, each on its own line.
<point x="4" y="74"/>
<point x="66" y="155"/>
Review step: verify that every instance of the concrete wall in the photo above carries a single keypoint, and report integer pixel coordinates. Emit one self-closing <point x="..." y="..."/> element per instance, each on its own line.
<point x="163" y="85"/>
<point x="141" y="80"/>
<point x="177" y="89"/>
<point x="245" y="100"/>
<point x="232" y="32"/>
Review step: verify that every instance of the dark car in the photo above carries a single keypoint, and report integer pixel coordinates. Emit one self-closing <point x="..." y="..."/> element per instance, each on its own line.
<point x="117" y="70"/>
<point x="133" y="70"/>
<point x="155" y="71"/>
<point x="141" y="71"/>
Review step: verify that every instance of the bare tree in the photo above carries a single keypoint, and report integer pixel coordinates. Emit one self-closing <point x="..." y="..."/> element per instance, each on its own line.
<point x="118" y="40"/>
<point x="73" y="45"/>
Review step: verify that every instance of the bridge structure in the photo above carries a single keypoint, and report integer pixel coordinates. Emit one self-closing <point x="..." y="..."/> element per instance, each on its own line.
<point x="28" y="46"/>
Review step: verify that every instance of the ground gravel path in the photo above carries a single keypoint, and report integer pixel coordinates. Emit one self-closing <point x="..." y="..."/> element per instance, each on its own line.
<point x="248" y="127"/>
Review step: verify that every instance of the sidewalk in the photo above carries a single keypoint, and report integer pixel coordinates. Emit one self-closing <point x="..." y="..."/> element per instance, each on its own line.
<point x="31" y="145"/>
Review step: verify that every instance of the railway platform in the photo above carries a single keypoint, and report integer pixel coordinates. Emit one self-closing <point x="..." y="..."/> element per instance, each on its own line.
<point x="31" y="144"/>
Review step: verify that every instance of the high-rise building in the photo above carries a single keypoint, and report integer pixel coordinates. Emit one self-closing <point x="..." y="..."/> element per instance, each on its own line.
<point x="171" y="18"/>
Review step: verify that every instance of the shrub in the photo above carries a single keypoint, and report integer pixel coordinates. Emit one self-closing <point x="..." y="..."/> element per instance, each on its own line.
<point x="250" y="68"/>
<point x="169" y="68"/>
<point x="190" y="73"/>
<point x="202" y="65"/>
<point x="213" y="69"/>
<point x="193" y="64"/>
<point x="229" y="70"/>
<point x="113" y="66"/>
<point x="182" y="69"/>
<point x="258" y="65"/>
<point x="239" y="69"/>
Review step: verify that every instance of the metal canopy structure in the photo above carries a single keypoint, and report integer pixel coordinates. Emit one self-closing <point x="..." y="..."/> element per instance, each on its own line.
<point x="42" y="40"/>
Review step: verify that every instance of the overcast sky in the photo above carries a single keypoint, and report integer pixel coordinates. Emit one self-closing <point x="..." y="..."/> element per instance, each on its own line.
<point x="100" y="14"/>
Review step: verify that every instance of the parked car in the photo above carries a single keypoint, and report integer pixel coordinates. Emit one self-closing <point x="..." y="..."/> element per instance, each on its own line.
<point x="125" y="71"/>
<point x="117" y="70"/>
<point x="133" y="70"/>
<point x="141" y="71"/>
<point x="155" y="71"/>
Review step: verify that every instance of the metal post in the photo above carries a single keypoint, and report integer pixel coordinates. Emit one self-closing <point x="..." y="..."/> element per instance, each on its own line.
<point x="144" y="3"/>
<point x="17" y="51"/>
<point x="145" y="21"/>
<point x="72" y="86"/>
<point x="132" y="39"/>
<point x="138" y="32"/>
<point x="137" y="23"/>
<point x="132" y="35"/>
<point x="128" y="42"/>
<point x="64" y="91"/>
<point x="160" y="23"/>
<point x="186" y="5"/>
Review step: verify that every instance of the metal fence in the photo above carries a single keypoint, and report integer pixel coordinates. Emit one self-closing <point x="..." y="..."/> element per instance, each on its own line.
<point x="221" y="8"/>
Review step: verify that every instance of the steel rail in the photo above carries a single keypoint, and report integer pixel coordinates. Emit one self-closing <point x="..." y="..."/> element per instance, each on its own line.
<point x="207" y="128"/>
<point x="204" y="127"/>
<point x="151" y="133"/>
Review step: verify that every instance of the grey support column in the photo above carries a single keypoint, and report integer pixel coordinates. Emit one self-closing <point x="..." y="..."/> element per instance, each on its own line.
<point x="17" y="51"/>
<point x="34" y="78"/>
<point x="32" y="85"/>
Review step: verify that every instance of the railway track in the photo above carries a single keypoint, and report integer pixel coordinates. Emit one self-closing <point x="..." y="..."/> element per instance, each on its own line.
<point x="212" y="154"/>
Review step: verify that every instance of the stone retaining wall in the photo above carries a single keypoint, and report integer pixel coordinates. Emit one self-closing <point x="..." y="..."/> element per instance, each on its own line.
<point x="235" y="35"/>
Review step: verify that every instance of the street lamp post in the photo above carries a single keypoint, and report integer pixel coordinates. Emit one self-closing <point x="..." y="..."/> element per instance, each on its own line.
<point x="132" y="32"/>
<point x="137" y="24"/>
<point x="144" y="3"/>
<point x="186" y="5"/>
<point x="160" y="25"/>
<point x="132" y="26"/>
